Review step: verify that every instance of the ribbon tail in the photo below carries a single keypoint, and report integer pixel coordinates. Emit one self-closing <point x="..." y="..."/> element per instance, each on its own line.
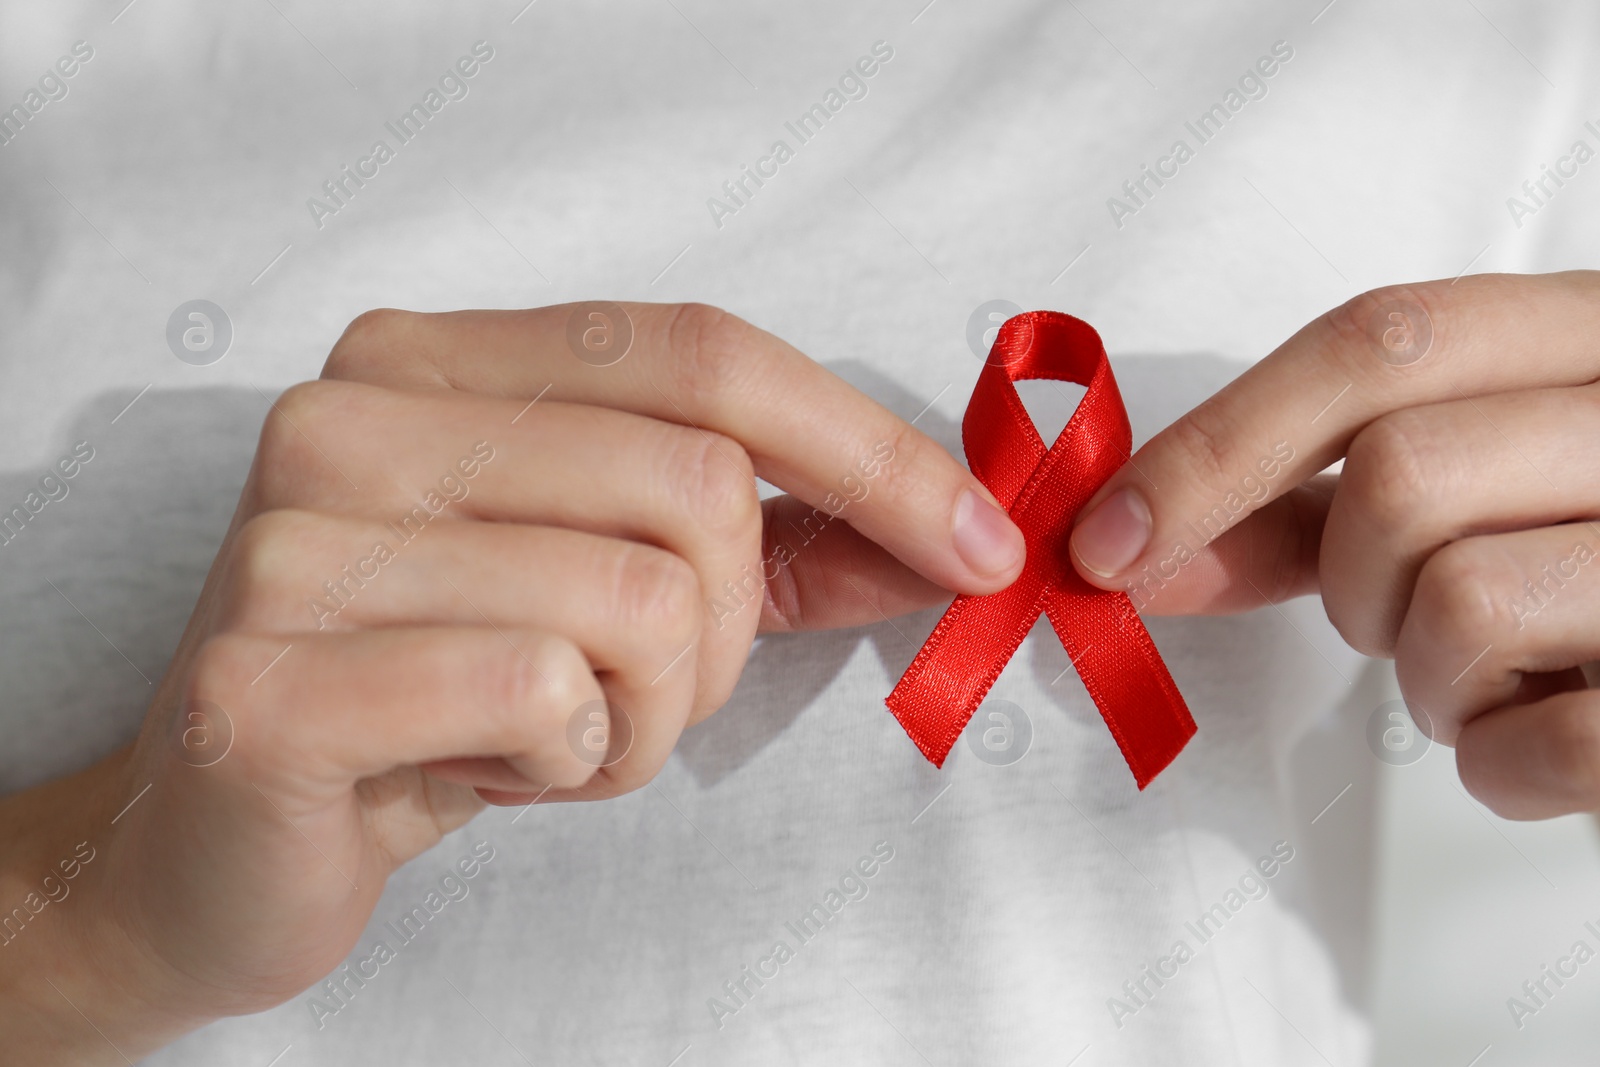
<point x="960" y="661"/>
<point x="1124" y="674"/>
<point x="1042" y="489"/>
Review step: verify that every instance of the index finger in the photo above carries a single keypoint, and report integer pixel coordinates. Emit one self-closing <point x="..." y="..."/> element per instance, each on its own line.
<point x="1296" y="412"/>
<point x="804" y="428"/>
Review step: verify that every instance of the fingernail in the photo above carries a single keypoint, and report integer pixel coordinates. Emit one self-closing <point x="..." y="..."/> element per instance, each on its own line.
<point x="1114" y="534"/>
<point x="986" y="539"/>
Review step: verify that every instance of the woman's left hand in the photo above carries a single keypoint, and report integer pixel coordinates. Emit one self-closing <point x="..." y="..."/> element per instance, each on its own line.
<point x="1458" y="539"/>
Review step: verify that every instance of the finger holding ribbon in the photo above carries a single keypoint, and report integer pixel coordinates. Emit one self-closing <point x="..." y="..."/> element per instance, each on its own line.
<point x="1459" y="537"/>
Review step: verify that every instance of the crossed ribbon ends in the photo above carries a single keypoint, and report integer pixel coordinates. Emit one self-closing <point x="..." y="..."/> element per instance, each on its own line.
<point x="1043" y="490"/>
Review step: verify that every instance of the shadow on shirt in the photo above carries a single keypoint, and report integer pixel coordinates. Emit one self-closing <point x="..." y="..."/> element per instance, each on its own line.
<point x="98" y="585"/>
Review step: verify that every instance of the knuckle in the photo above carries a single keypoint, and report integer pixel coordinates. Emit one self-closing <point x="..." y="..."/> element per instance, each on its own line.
<point x="267" y="556"/>
<point x="1459" y="592"/>
<point x="1392" y="470"/>
<point x="1345" y="327"/>
<point x="1345" y="333"/>
<point x="283" y="430"/>
<point x="369" y="340"/>
<point x="534" y="687"/>
<point x="220" y="673"/>
<point x="708" y="349"/>
<point x="657" y="594"/>
<point x="718" y="483"/>
<point x="1210" y="446"/>
<point x="287" y="461"/>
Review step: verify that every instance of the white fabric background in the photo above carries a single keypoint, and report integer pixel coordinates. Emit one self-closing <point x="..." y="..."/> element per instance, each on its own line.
<point x="977" y="167"/>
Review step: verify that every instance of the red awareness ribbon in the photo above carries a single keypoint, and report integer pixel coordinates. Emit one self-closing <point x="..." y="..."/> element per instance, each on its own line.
<point x="1043" y="491"/>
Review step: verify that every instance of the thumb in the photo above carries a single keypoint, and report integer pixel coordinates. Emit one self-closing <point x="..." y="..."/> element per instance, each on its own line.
<point x="1181" y="565"/>
<point x="822" y="574"/>
<point x="1224" y="508"/>
<point x="826" y="575"/>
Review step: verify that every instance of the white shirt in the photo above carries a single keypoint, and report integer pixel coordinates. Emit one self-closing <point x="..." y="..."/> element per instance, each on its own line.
<point x="982" y="913"/>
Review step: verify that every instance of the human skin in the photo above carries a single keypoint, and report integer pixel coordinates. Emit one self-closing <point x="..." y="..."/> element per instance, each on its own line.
<point x="607" y="506"/>
<point x="580" y="567"/>
<point x="1469" y="472"/>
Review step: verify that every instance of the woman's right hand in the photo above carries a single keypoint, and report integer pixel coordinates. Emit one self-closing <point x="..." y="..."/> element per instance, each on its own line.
<point x="492" y="557"/>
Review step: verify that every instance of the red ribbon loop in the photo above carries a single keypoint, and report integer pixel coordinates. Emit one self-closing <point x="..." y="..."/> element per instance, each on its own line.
<point x="1043" y="492"/>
